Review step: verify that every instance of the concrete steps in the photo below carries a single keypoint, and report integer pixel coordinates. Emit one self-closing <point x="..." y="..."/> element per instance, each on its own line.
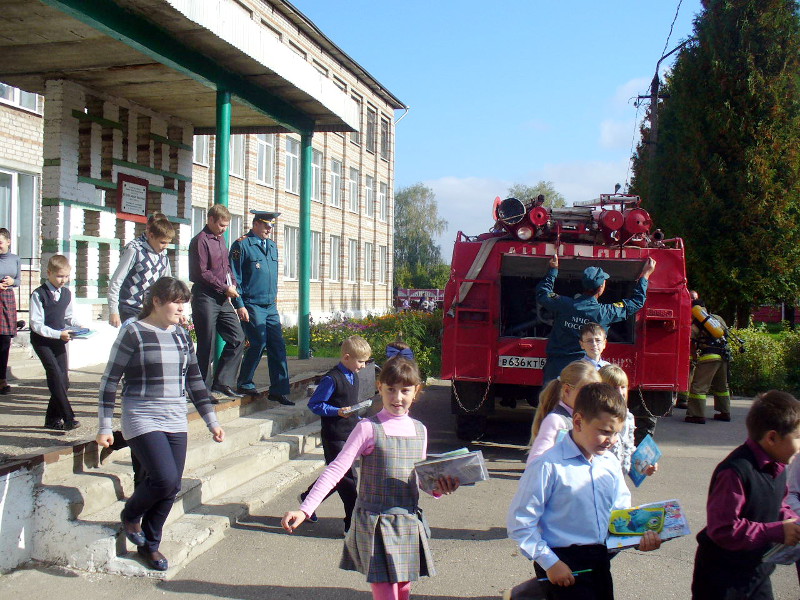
<point x="263" y="452"/>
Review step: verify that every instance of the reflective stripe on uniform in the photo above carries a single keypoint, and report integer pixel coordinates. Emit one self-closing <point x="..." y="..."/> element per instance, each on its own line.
<point x="707" y="357"/>
<point x="698" y="396"/>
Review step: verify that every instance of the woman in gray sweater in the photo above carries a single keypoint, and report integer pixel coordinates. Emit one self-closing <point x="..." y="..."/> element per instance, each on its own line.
<point x="156" y="357"/>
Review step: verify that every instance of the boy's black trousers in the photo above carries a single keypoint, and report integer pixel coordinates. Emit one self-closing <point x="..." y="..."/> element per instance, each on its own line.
<point x="56" y="365"/>
<point x="596" y="585"/>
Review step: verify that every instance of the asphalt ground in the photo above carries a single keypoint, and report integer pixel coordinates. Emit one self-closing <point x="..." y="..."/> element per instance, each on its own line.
<point x="474" y="559"/>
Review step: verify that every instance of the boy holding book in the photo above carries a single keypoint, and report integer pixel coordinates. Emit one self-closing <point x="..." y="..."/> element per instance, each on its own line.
<point x="51" y="314"/>
<point x="747" y="512"/>
<point x="336" y="393"/>
<point x="560" y="514"/>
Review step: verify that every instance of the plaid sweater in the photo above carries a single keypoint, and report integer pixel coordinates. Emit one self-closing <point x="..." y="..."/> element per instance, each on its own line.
<point x="160" y="368"/>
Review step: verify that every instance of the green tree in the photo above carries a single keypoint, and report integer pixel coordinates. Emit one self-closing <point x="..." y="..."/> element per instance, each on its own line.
<point x="726" y="171"/>
<point x="552" y="199"/>
<point x="417" y="258"/>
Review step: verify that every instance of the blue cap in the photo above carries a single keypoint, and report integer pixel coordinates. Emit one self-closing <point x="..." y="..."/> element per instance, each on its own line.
<point x="264" y="215"/>
<point x="593" y="278"/>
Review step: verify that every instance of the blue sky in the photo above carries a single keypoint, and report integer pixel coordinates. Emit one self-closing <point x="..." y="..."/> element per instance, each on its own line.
<point x="508" y="92"/>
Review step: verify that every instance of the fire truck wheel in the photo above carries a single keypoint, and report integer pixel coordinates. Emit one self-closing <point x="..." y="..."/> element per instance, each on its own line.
<point x="470" y="427"/>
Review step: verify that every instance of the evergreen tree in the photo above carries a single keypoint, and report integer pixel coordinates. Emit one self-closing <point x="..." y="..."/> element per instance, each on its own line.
<point x="726" y="175"/>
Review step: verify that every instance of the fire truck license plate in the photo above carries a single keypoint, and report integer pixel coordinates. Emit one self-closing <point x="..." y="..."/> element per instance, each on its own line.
<point x="521" y="362"/>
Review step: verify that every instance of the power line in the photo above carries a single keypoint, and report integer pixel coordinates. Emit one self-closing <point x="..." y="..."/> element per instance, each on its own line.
<point x="669" y="35"/>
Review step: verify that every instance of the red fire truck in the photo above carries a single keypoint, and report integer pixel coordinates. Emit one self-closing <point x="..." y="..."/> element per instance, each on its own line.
<point x="495" y="333"/>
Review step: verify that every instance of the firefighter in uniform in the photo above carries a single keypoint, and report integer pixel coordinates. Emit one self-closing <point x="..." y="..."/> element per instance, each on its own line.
<point x="570" y="314"/>
<point x="710" y="374"/>
<point x="254" y="263"/>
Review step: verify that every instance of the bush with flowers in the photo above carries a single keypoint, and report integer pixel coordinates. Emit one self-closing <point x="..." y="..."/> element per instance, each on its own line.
<point x="420" y="330"/>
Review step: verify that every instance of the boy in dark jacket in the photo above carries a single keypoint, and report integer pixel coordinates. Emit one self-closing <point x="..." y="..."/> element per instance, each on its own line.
<point x="747" y="511"/>
<point x="335" y="394"/>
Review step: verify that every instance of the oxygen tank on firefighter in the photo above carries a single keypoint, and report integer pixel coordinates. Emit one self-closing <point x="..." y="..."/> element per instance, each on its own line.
<point x="711" y="325"/>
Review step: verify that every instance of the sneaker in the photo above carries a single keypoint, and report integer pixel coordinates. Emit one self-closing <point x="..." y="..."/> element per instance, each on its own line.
<point x="313" y="518"/>
<point x="698" y="420"/>
<point x="5" y="389"/>
<point x="57" y="425"/>
<point x="723" y="417"/>
<point x="70" y="425"/>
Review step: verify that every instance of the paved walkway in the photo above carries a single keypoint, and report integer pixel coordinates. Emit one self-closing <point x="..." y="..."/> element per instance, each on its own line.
<point x="22" y="411"/>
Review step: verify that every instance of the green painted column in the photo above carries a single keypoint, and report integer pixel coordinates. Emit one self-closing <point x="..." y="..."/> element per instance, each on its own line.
<point x="222" y="163"/>
<point x="222" y="160"/>
<point x="304" y="305"/>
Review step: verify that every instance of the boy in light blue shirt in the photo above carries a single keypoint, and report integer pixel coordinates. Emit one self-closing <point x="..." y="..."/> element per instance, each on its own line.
<point x="560" y="514"/>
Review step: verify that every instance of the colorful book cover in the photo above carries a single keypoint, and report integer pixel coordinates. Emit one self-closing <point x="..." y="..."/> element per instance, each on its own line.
<point x="675" y="525"/>
<point x="467" y="466"/>
<point x="647" y="454"/>
<point x="780" y="554"/>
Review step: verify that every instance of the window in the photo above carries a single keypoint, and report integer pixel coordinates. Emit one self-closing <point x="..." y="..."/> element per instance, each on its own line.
<point x="368" y="262"/>
<point x="18" y="97"/>
<point x="385" y="138"/>
<point x="352" y="260"/>
<point x="316" y="175"/>
<point x="237" y="155"/>
<point x="316" y="254"/>
<point x="383" y="263"/>
<point x="369" y="206"/>
<point x="354" y="199"/>
<point x="235" y="228"/>
<point x="383" y="201"/>
<point x="298" y="50"/>
<point x="292" y="165"/>
<point x="278" y="35"/>
<point x="323" y="70"/>
<point x="336" y="183"/>
<point x="200" y="150"/>
<point x="290" y="251"/>
<point x="372" y="124"/>
<point x="265" y="162"/>
<point x="336" y="255"/>
<point x="199" y="218"/>
<point x="19" y="212"/>
<point x="355" y="136"/>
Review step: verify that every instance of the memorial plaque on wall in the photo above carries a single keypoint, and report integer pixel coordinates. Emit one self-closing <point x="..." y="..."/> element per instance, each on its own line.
<point x="131" y="198"/>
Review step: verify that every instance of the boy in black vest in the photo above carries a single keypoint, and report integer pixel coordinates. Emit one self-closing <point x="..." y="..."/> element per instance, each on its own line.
<point x="50" y="314"/>
<point x="336" y="393"/>
<point x="747" y="511"/>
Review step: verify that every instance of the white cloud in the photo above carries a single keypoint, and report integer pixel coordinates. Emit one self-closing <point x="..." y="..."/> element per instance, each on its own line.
<point x="626" y="93"/>
<point x="616" y="135"/>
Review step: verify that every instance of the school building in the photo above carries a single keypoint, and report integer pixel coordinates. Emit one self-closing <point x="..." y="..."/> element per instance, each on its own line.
<point x="114" y="109"/>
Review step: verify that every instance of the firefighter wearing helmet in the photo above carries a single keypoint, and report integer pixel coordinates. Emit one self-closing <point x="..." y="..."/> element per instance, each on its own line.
<point x="570" y="314"/>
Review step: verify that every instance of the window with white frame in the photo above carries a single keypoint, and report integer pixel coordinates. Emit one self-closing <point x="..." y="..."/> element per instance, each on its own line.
<point x="383" y="201"/>
<point x="372" y="126"/>
<point x="235" y="228"/>
<point x="237" y="155"/>
<point x="353" y="197"/>
<point x="265" y="158"/>
<point x="199" y="218"/>
<point x="19" y="212"/>
<point x="18" y="97"/>
<point x="352" y="260"/>
<point x="336" y="183"/>
<point x="200" y="149"/>
<point x="383" y="263"/>
<point x="369" y="262"/>
<point x="355" y="136"/>
<point x="316" y="254"/>
<point x="369" y="199"/>
<point x="292" y="165"/>
<point x="290" y="251"/>
<point x="316" y="175"/>
<point x="384" y="138"/>
<point x="336" y="255"/>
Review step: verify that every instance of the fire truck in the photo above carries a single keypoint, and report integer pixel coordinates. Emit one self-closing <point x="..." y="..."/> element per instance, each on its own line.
<point x="495" y="333"/>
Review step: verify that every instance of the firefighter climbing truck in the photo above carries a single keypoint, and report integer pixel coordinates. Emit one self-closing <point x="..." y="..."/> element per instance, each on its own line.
<point x="495" y="333"/>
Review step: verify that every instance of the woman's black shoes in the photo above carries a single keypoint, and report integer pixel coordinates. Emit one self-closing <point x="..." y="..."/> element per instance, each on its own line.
<point x="134" y="537"/>
<point x="154" y="560"/>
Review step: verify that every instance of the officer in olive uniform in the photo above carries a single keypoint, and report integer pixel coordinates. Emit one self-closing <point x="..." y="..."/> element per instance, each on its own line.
<point x="254" y="263"/>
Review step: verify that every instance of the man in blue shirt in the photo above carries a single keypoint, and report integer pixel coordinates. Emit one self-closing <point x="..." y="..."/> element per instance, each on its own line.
<point x="254" y="263"/>
<point x="561" y="512"/>
<point x="570" y="314"/>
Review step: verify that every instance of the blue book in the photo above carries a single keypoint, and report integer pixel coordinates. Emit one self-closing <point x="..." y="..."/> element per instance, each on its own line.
<point x="646" y="455"/>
